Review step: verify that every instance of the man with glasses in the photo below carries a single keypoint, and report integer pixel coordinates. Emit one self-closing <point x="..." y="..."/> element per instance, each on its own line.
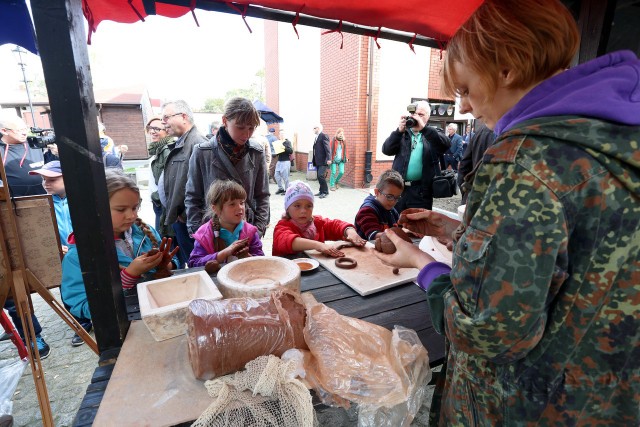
<point x="18" y="160"/>
<point x="378" y="213"/>
<point x="417" y="150"/>
<point x="177" y="118"/>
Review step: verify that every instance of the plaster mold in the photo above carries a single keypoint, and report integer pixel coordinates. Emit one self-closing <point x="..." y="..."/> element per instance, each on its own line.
<point x="164" y="302"/>
<point x="256" y="277"/>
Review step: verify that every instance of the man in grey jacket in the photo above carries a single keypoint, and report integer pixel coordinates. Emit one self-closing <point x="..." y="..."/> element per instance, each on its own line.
<point x="178" y="119"/>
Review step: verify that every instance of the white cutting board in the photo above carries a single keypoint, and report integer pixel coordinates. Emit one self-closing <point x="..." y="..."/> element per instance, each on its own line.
<point x="370" y="275"/>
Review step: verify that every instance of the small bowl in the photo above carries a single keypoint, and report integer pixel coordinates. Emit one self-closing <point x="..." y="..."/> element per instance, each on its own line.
<point x="306" y="265"/>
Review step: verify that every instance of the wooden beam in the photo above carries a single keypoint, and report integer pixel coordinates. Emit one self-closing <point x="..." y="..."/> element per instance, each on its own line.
<point x="594" y="24"/>
<point x="289" y="17"/>
<point x="61" y="41"/>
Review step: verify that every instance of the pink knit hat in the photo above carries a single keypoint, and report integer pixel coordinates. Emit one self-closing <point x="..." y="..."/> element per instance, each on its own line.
<point x="297" y="190"/>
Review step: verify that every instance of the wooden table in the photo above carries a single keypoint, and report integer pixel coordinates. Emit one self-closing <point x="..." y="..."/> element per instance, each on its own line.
<point x="404" y="305"/>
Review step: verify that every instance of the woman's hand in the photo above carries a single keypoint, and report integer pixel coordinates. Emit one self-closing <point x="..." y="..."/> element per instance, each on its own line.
<point x="424" y="222"/>
<point x="167" y="253"/>
<point x="351" y="235"/>
<point x="144" y="263"/>
<point x="407" y="255"/>
<point x="330" y="250"/>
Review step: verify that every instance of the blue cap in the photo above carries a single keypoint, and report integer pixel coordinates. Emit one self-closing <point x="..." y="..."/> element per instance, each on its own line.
<point x="51" y="169"/>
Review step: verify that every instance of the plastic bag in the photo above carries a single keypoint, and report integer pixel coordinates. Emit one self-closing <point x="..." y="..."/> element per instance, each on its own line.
<point x="10" y="374"/>
<point x="224" y="335"/>
<point x="384" y="372"/>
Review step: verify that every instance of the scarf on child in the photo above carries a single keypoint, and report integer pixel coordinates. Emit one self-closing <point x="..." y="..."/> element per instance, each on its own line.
<point x="307" y="231"/>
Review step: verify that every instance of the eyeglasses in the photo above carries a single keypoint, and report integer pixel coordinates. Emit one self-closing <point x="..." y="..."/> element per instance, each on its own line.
<point x="166" y="117"/>
<point x="154" y="129"/>
<point x="21" y="130"/>
<point x="390" y="197"/>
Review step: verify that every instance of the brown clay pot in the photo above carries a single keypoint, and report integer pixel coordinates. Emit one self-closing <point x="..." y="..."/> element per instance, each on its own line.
<point x="383" y="244"/>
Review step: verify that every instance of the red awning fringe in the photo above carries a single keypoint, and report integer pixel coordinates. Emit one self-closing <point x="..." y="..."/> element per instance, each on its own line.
<point x="192" y="6"/>
<point x="135" y="10"/>
<point x="337" y="30"/>
<point x="411" y="42"/>
<point x="296" y="19"/>
<point x="243" y="12"/>
<point x="90" y="21"/>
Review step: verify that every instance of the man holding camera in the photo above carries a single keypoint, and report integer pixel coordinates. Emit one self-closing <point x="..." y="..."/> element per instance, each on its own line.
<point x="417" y="149"/>
<point x="19" y="159"/>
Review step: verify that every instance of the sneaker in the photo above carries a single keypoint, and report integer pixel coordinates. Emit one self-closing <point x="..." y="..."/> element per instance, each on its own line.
<point x="76" y="341"/>
<point x="318" y="194"/>
<point x="43" y="348"/>
<point x="333" y="189"/>
<point x="280" y="191"/>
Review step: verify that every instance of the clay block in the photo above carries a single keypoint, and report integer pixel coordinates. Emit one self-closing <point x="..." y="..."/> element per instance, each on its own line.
<point x="164" y="302"/>
<point x="224" y="335"/>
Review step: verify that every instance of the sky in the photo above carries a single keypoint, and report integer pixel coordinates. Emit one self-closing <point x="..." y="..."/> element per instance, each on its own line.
<point x="173" y="58"/>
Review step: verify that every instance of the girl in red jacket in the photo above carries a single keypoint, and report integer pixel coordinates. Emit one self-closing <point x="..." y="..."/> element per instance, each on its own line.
<point x="299" y="230"/>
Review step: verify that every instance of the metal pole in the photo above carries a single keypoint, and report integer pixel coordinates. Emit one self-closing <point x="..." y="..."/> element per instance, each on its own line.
<point x="26" y="84"/>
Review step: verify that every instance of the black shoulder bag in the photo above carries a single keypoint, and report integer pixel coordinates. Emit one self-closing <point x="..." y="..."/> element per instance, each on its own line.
<point x="444" y="184"/>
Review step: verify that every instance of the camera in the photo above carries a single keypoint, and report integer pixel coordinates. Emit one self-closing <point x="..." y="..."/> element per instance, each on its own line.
<point x="409" y="120"/>
<point x="41" y="138"/>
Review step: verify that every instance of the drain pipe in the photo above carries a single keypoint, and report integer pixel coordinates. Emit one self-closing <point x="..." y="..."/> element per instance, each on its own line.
<point x="368" y="155"/>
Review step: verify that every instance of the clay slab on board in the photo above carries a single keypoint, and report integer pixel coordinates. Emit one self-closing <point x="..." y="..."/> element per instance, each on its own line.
<point x="370" y="275"/>
<point x="164" y="302"/>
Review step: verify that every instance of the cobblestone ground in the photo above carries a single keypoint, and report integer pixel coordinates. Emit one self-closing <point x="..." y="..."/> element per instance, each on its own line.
<point x="68" y="369"/>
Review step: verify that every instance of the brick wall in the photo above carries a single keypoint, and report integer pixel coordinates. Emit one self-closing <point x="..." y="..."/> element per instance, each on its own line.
<point x="126" y="127"/>
<point x="435" y="75"/>
<point x="343" y="97"/>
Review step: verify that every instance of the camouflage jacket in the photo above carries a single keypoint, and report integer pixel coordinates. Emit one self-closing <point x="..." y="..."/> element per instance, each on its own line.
<point x="543" y="319"/>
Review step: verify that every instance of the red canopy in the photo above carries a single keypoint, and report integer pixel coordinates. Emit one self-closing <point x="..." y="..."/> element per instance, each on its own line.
<point x="436" y="19"/>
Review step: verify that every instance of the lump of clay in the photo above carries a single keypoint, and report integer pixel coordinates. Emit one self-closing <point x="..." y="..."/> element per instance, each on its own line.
<point x="383" y="244"/>
<point x="212" y="267"/>
<point x="224" y="335"/>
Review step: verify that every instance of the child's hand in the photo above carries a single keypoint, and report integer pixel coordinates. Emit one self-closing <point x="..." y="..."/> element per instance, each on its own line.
<point x="352" y="236"/>
<point x="237" y="249"/>
<point x="144" y="263"/>
<point x="167" y="253"/>
<point x="330" y="250"/>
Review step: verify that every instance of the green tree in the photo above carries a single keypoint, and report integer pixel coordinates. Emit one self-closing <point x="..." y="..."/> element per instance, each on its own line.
<point x="214" y="105"/>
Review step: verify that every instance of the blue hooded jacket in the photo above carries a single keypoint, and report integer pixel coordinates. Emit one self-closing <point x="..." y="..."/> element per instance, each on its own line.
<point x="72" y="287"/>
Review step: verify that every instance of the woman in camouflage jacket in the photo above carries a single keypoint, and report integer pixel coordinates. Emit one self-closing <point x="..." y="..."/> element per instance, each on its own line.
<point x="541" y="306"/>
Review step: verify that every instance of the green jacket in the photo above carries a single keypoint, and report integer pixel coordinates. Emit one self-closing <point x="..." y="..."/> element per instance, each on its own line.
<point x="543" y="318"/>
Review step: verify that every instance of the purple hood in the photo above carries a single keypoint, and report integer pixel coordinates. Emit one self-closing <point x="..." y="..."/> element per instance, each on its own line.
<point x="606" y="88"/>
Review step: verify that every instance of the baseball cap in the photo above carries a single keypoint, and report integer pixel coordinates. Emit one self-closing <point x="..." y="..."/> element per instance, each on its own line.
<point x="51" y="169"/>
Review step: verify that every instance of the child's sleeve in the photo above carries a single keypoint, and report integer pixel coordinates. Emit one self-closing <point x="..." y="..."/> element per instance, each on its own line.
<point x="200" y="257"/>
<point x="367" y="223"/>
<point x="72" y="286"/>
<point x="283" y="237"/>
<point x="255" y="245"/>
<point x="334" y="228"/>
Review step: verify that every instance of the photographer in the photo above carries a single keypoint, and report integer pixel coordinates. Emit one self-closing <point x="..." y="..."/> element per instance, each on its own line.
<point x="417" y="149"/>
<point x="19" y="159"/>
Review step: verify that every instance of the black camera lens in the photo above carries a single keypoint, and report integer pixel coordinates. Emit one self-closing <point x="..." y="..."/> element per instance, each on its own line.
<point x="410" y="122"/>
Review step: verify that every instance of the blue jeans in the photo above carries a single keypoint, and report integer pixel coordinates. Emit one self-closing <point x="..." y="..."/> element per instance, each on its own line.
<point x="184" y="241"/>
<point x="13" y="312"/>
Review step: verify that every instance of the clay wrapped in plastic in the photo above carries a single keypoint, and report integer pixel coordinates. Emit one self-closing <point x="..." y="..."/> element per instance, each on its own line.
<point x="224" y="335"/>
<point x="384" y="372"/>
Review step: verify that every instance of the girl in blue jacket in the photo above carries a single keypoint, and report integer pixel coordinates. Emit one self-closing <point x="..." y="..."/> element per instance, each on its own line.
<point x="133" y="238"/>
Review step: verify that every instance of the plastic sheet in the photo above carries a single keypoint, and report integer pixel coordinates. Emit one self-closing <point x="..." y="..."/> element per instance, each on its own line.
<point x="10" y="374"/>
<point x="224" y="335"/>
<point x="384" y="372"/>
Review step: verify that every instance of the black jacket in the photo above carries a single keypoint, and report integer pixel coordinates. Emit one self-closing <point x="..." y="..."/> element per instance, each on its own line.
<point x="321" y="150"/>
<point x="398" y="144"/>
<point x="478" y="144"/>
<point x="288" y="149"/>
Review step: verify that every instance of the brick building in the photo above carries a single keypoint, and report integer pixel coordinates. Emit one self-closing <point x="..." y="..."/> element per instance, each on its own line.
<point x="346" y="81"/>
<point x="123" y="111"/>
